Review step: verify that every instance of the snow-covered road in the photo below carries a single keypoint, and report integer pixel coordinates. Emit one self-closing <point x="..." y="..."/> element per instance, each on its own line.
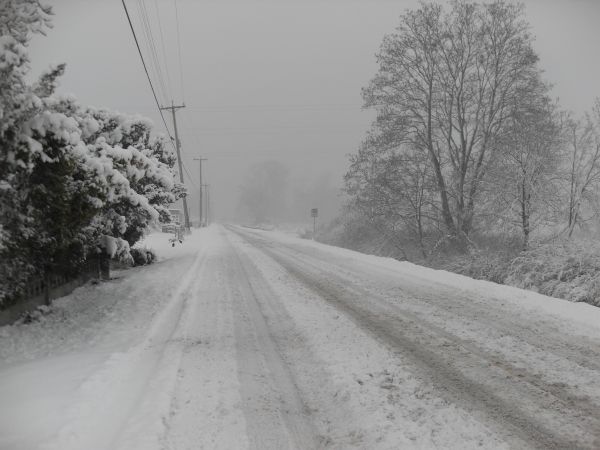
<point x="249" y="339"/>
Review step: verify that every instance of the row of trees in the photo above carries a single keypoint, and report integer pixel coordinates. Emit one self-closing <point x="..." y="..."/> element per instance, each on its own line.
<point x="74" y="180"/>
<point x="270" y="192"/>
<point x="467" y="137"/>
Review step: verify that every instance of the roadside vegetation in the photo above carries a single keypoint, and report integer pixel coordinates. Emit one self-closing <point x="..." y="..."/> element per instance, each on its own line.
<point x="75" y="181"/>
<point x="471" y="165"/>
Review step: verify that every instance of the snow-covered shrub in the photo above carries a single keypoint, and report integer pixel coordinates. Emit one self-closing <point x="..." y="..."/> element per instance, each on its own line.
<point x="144" y="162"/>
<point x="36" y="315"/>
<point x="19" y="20"/>
<point x="481" y="266"/>
<point x="567" y="269"/>
<point x="70" y="176"/>
<point x="142" y="256"/>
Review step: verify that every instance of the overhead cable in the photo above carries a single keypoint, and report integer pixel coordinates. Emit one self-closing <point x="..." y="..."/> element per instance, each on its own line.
<point x="146" y="70"/>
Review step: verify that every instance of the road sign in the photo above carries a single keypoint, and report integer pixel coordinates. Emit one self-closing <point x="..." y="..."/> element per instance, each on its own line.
<point x="314" y="212"/>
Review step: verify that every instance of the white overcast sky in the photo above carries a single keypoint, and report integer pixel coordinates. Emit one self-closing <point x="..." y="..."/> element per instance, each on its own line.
<point x="274" y="79"/>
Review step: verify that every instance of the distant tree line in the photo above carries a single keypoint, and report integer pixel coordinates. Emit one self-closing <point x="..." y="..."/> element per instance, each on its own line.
<point x="75" y="181"/>
<point x="467" y="138"/>
<point x="270" y="193"/>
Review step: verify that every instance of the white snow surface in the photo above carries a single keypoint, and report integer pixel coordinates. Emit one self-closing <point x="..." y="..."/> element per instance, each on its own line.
<point x="582" y="313"/>
<point x="225" y="343"/>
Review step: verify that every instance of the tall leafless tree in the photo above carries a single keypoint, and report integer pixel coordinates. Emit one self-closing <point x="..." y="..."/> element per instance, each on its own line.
<point x="393" y="185"/>
<point x="582" y="155"/>
<point x="445" y="86"/>
<point x="524" y="182"/>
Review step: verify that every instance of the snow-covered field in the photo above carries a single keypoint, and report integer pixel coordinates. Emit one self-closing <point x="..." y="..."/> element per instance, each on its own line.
<point x="244" y="338"/>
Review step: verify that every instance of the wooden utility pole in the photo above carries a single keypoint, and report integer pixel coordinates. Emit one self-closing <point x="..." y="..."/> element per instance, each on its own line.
<point x="207" y="186"/>
<point x="173" y="108"/>
<point x="201" y="185"/>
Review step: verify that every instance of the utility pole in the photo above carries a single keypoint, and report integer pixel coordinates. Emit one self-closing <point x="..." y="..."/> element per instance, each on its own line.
<point x="314" y="212"/>
<point x="173" y="108"/>
<point x="200" y="200"/>
<point x="207" y="186"/>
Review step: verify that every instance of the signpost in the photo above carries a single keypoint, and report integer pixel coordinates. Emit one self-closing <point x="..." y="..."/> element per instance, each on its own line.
<point x="314" y="213"/>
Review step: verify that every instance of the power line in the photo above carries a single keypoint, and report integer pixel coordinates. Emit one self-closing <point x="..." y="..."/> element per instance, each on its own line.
<point x="162" y="42"/>
<point x="275" y="107"/>
<point x="185" y="169"/>
<point x="274" y="131"/>
<point x="148" y="51"/>
<point x="146" y="70"/>
<point x="179" y="51"/>
<point x="152" y="47"/>
<point x="155" y="60"/>
<point x="147" y="28"/>
<point x="266" y="108"/>
<point x="152" y="88"/>
<point x="188" y="127"/>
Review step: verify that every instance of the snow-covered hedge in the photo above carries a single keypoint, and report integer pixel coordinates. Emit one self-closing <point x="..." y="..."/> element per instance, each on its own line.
<point x="564" y="268"/>
<point x="567" y="269"/>
<point x="143" y="256"/>
<point x="74" y="180"/>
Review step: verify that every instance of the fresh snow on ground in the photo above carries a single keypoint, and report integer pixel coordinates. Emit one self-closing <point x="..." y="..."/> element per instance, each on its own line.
<point x="79" y="362"/>
<point x="527" y="300"/>
<point x="243" y="338"/>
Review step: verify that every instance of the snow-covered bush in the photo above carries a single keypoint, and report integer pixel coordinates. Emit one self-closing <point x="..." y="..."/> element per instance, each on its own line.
<point x="72" y="179"/>
<point x="142" y="256"/>
<point x="19" y="20"/>
<point x="567" y="269"/>
<point x="146" y="162"/>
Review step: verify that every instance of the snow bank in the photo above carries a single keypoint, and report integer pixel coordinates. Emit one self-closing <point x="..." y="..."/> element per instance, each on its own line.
<point x="59" y="373"/>
<point x="581" y="313"/>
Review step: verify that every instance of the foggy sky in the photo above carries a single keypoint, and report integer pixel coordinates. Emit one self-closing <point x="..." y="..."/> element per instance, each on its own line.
<point x="274" y="79"/>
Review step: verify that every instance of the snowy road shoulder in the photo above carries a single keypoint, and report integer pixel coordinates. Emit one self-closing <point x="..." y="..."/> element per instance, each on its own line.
<point x="246" y="339"/>
<point x="530" y="376"/>
<point x="58" y="374"/>
<point x="582" y="318"/>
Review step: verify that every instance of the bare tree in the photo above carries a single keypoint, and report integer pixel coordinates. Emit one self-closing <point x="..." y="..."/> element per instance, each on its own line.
<point x="582" y="157"/>
<point x="524" y="180"/>
<point x="393" y="185"/>
<point x="445" y="85"/>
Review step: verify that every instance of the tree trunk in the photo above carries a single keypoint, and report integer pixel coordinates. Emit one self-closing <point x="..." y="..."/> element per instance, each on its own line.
<point x="525" y="213"/>
<point x="446" y="213"/>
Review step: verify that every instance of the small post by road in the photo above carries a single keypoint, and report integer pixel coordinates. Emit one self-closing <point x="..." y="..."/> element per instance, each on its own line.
<point x="200" y="215"/>
<point x="314" y="214"/>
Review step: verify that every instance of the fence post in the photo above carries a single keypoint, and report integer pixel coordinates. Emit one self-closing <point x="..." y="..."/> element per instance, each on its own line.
<point x="46" y="289"/>
<point x="104" y="266"/>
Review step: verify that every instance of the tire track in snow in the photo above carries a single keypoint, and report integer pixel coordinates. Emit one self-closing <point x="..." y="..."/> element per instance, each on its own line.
<point x="148" y="421"/>
<point x="579" y="405"/>
<point x="107" y="411"/>
<point x="539" y="352"/>
<point x="204" y="411"/>
<point x="467" y="308"/>
<point x="456" y="367"/>
<point x="275" y="414"/>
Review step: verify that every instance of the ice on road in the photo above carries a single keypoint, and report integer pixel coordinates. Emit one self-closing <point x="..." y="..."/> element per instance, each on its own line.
<point x="246" y="339"/>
